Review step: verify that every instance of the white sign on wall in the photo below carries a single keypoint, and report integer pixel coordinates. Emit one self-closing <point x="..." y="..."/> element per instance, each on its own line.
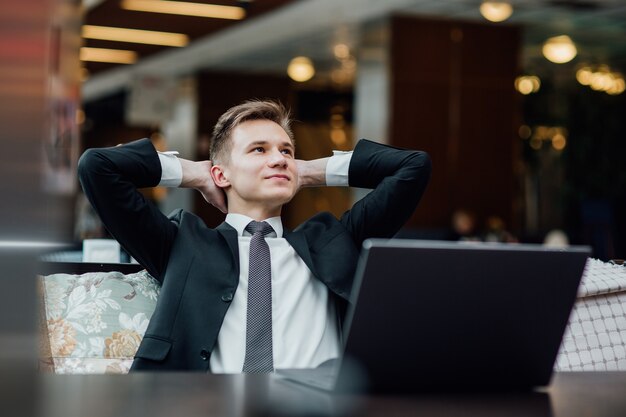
<point x="150" y="100"/>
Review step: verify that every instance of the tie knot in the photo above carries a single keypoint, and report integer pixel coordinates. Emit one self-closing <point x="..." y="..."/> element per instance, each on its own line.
<point x="263" y="228"/>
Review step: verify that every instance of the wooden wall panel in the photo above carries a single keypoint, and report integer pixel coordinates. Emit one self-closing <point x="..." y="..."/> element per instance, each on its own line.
<point x="452" y="95"/>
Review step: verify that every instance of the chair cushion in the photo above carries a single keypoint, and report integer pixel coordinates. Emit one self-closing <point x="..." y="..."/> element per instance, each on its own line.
<point x="595" y="338"/>
<point x="94" y="322"/>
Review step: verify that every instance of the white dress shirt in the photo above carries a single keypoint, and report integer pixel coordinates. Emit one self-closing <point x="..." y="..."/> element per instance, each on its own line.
<point x="305" y="323"/>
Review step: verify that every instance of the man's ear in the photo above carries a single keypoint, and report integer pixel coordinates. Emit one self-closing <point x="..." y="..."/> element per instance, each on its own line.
<point x="219" y="177"/>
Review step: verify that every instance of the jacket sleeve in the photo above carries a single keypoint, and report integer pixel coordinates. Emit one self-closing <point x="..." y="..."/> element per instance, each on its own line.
<point x="397" y="178"/>
<point x="110" y="178"/>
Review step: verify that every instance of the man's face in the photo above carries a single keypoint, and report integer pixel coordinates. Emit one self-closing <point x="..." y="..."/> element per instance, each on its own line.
<point x="262" y="169"/>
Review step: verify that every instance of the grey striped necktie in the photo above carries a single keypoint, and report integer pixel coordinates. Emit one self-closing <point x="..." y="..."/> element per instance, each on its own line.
<point x="259" y="351"/>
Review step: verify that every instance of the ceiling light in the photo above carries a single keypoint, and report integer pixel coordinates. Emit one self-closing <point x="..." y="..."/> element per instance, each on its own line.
<point x="524" y="131"/>
<point x="527" y="84"/>
<point x="535" y="143"/>
<point x="114" y="56"/>
<point x="149" y="37"/>
<point x="341" y="51"/>
<point x="496" y="11"/>
<point x="185" y="8"/>
<point x="301" y="69"/>
<point x="604" y="81"/>
<point x="583" y="75"/>
<point x="338" y="136"/>
<point x="559" y="49"/>
<point x="601" y="79"/>
<point x="559" y="142"/>
<point x="618" y="88"/>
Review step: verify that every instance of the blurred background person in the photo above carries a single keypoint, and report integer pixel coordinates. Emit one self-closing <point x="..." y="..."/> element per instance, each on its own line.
<point x="463" y="226"/>
<point x="556" y="238"/>
<point x="495" y="231"/>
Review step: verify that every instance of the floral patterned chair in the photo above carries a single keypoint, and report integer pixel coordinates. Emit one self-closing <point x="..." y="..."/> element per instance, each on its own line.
<point x="93" y="322"/>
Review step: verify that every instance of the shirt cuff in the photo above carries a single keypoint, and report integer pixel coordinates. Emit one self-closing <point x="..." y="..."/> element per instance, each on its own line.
<point x="171" y="170"/>
<point x="337" y="169"/>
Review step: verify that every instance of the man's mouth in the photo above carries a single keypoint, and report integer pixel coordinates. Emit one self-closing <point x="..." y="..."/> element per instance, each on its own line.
<point x="278" y="176"/>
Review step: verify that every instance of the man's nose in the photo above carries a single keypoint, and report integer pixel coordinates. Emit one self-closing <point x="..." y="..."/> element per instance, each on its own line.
<point x="277" y="158"/>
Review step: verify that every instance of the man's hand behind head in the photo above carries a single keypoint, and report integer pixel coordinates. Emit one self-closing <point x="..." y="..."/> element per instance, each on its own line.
<point x="212" y="193"/>
<point x="197" y="175"/>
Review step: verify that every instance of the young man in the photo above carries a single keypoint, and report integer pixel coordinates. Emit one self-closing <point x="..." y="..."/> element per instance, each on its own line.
<point x="245" y="296"/>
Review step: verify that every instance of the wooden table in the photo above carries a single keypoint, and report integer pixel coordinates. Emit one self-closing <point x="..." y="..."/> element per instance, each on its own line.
<point x="188" y="395"/>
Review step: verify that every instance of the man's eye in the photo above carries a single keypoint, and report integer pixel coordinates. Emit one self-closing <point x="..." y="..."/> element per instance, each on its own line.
<point x="258" y="149"/>
<point x="287" y="151"/>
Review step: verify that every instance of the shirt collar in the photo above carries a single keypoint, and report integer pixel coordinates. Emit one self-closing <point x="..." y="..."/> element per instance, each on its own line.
<point x="240" y="221"/>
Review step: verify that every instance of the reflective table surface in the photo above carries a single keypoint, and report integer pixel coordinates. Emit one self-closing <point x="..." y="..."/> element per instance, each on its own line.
<point x="186" y="394"/>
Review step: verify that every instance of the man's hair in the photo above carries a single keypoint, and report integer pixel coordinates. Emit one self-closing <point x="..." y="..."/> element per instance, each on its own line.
<point x="274" y="111"/>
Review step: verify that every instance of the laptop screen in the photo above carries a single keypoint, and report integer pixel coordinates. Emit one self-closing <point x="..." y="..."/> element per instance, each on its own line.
<point x="459" y="315"/>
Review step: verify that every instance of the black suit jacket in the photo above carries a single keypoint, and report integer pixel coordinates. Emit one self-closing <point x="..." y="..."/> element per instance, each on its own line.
<point x="198" y="267"/>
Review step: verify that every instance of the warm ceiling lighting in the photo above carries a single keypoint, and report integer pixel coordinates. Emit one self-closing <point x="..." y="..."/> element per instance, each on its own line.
<point x="602" y="79"/>
<point x="185" y="8"/>
<point x="149" y="37"/>
<point x="341" y="51"/>
<point x="583" y="75"/>
<point x="559" y="142"/>
<point x="496" y="11"/>
<point x="618" y="87"/>
<point x="527" y="84"/>
<point x="301" y="69"/>
<point x="556" y="135"/>
<point x="114" y="56"/>
<point x="559" y="49"/>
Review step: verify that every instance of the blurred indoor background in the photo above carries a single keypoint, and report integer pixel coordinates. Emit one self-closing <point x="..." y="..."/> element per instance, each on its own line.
<point x="520" y="104"/>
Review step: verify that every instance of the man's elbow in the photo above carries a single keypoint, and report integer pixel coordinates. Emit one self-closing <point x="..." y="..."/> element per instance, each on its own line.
<point x="422" y="163"/>
<point x="422" y="168"/>
<point x="88" y="162"/>
<point x="91" y="167"/>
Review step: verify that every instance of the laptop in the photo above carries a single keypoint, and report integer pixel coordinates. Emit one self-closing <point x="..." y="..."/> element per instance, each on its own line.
<point x="433" y="316"/>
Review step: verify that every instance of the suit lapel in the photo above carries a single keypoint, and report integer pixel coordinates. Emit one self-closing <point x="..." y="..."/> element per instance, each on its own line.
<point x="230" y="235"/>
<point x="299" y="243"/>
<point x="296" y="239"/>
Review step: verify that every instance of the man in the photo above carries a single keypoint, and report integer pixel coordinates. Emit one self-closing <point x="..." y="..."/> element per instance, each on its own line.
<point x="246" y="296"/>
